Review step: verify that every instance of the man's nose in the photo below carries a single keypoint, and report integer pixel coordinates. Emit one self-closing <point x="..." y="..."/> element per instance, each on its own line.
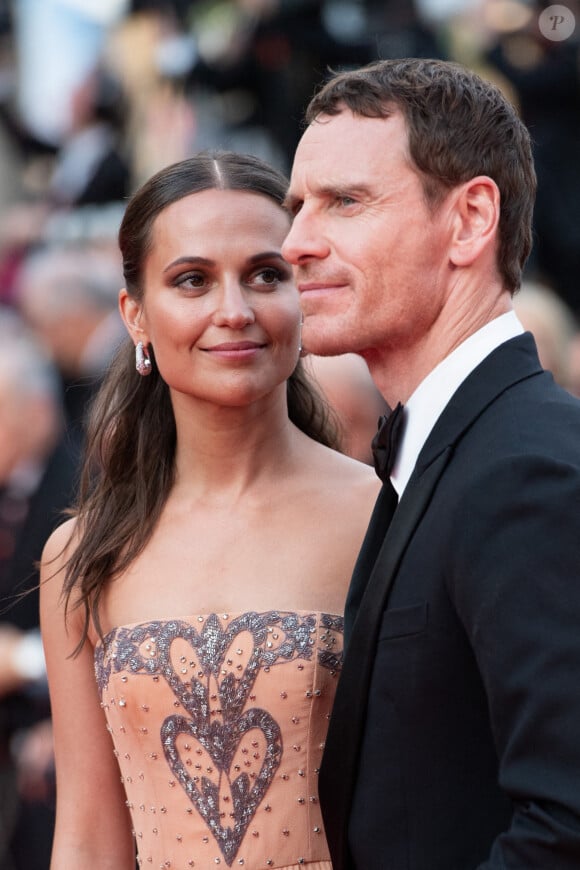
<point x="304" y="241"/>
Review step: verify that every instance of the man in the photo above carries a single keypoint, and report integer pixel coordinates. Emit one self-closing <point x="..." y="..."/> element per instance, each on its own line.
<point x="455" y="737"/>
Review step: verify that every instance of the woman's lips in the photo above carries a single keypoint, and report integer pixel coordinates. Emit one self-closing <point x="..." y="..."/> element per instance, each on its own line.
<point x="235" y="349"/>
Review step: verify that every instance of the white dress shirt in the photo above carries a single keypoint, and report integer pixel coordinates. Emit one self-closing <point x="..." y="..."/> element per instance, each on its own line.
<point x="426" y="404"/>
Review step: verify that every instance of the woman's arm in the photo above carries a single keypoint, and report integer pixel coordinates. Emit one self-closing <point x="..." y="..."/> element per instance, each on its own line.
<point x="93" y="827"/>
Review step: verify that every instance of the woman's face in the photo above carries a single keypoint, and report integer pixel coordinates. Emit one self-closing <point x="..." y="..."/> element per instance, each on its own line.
<point x="219" y="306"/>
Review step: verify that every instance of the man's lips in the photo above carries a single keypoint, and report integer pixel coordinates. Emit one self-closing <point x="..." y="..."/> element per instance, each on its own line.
<point x="319" y="286"/>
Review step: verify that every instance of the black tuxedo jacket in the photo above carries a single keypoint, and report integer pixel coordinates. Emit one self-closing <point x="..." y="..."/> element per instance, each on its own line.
<point x="455" y="738"/>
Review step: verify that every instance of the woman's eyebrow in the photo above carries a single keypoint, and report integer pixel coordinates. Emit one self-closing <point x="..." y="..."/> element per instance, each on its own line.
<point x="190" y="260"/>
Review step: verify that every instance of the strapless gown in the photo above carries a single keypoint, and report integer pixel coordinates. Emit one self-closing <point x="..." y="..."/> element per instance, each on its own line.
<point x="218" y="725"/>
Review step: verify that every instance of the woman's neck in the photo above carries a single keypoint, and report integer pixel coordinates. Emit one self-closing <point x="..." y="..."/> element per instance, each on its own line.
<point x="228" y="452"/>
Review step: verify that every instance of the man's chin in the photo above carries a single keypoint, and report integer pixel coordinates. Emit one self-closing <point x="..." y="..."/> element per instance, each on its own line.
<point x="321" y="337"/>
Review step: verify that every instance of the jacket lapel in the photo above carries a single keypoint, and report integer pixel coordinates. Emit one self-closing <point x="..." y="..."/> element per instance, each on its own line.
<point x="374" y="538"/>
<point x="511" y="362"/>
<point x="338" y="772"/>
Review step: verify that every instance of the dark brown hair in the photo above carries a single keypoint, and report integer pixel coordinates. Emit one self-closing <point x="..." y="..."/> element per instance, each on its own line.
<point x="459" y="126"/>
<point x="129" y="461"/>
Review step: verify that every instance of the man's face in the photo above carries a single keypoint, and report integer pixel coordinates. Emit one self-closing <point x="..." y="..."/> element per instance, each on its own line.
<point x="370" y="258"/>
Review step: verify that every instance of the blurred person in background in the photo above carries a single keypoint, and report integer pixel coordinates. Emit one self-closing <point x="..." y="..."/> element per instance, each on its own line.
<point x="33" y="493"/>
<point x="277" y="51"/>
<point x="231" y="74"/>
<point x="90" y="169"/>
<point x="68" y="294"/>
<point x="62" y="112"/>
<point x="544" y="73"/>
<point x="553" y="325"/>
<point x="92" y="166"/>
<point x="350" y="391"/>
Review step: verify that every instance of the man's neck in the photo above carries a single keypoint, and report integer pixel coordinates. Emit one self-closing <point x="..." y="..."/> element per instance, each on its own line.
<point x="398" y="370"/>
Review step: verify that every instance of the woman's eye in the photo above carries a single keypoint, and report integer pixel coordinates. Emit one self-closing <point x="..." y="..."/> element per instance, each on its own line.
<point x="269" y="276"/>
<point x="193" y="280"/>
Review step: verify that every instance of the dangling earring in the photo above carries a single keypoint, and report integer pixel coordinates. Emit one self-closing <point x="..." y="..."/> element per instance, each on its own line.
<point x="142" y="361"/>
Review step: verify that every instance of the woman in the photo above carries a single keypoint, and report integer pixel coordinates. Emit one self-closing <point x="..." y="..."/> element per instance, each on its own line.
<point x="206" y="567"/>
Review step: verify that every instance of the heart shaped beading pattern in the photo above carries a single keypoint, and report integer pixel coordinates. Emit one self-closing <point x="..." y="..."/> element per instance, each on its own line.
<point x="206" y="794"/>
<point x="223" y="752"/>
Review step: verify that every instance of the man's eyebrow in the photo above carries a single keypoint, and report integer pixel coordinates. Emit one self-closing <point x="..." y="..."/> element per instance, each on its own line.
<point x="329" y="191"/>
<point x="352" y="188"/>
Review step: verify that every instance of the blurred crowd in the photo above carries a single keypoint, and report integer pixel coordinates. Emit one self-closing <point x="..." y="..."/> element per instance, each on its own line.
<point x="96" y="95"/>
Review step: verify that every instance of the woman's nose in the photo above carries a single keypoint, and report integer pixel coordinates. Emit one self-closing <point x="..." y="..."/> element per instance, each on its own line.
<point x="234" y="308"/>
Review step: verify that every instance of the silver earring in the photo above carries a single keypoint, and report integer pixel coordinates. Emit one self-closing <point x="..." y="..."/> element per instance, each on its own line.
<point x="142" y="361"/>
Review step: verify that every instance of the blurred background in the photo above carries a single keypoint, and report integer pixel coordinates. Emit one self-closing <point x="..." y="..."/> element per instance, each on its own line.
<point x="95" y="96"/>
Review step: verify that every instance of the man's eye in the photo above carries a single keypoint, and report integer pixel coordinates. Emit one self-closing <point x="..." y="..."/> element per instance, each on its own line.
<point x="295" y="207"/>
<point x="346" y="200"/>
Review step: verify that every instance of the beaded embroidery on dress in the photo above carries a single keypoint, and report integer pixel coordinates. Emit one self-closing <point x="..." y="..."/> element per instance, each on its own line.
<point x="218" y="724"/>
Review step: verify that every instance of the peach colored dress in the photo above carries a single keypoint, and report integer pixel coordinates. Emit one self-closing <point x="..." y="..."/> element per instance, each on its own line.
<point x="218" y="724"/>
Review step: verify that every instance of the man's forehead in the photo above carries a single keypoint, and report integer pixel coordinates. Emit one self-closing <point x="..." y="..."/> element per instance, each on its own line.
<point x="346" y="149"/>
<point x="340" y="134"/>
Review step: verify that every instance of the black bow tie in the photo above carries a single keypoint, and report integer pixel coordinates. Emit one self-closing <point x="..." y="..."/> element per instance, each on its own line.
<point x="385" y="444"/>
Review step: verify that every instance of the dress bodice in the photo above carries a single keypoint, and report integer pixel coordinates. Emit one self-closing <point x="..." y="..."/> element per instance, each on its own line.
<point x="218" y="724"/>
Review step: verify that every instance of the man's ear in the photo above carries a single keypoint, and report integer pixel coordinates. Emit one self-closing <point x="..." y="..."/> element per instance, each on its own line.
<point x="131" y="311"/>
<point x="477" y="208"/>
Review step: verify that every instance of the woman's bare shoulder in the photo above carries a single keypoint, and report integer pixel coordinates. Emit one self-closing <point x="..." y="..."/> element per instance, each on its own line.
<point x="334" y="473"/>
<point x="54" y="602"/>
<point x="347" y="466"/>
<point x="59" y="544"/>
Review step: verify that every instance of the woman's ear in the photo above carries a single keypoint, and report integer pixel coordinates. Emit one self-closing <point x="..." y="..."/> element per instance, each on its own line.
<point x="477" y="209"/>
<point x="131" y="311"/>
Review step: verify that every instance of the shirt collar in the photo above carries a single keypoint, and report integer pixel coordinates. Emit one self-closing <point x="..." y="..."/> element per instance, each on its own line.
<point x="424" y="407"/>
